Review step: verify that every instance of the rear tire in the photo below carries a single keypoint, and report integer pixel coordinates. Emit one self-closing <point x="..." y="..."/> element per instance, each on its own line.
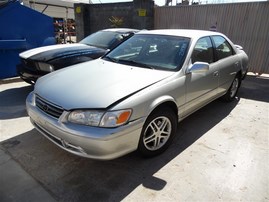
<point x="158" y="132"/>
<point x="232" y="91"/>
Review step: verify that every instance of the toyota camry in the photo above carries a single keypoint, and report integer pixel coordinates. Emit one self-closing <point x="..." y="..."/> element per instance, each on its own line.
<point x="133" y="97"/>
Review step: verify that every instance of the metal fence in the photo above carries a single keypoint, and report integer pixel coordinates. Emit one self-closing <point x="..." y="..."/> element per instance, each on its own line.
<point x="246" y="24"/>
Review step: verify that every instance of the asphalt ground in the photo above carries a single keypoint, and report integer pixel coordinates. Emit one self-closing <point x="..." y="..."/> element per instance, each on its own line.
<point x="221" y="153"/>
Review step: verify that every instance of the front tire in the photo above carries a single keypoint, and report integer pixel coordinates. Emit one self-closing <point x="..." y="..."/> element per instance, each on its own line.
<point x="158" y="132"/>
<point x="232" y="91"/>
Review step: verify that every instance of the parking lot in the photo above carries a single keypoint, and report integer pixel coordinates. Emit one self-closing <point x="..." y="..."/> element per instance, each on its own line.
<point x="221" y="153"/>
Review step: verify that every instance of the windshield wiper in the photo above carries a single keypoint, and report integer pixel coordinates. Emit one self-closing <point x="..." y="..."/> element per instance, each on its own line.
<point x="132" y="62"/>
<point x="111" y="59"/>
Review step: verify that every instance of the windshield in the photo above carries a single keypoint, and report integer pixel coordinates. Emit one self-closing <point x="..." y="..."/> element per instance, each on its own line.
<point x="151" y="51"/>
<point x="103" y="39"/>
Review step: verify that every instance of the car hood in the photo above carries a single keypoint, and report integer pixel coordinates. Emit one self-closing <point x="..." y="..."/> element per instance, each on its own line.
<point x="48" y="53"/>
<point x="96" y="84"/>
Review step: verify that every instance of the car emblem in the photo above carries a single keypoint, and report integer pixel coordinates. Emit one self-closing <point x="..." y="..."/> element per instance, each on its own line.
<point x="63" y="143"/>
<point x="45" y="108"/>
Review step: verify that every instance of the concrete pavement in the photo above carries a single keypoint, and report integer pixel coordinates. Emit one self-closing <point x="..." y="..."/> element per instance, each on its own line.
<point x="15" y="183"/>
<point x="221" y="153"/>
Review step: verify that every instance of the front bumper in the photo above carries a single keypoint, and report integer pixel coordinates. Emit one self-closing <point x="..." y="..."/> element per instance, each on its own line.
<point x="86" y="141"/>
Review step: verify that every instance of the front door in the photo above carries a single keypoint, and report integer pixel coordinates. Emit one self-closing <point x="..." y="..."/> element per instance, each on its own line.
<point x="201" y="88"/>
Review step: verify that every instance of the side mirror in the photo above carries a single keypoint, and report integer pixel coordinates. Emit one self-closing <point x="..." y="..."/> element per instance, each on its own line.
<point x="198" y="67"/>
<point x="238" y="47"/>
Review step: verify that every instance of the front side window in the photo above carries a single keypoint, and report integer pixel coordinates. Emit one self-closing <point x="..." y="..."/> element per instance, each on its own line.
<point x="152" y="51"/>
<point x="223" y="48"/>
<point x="203" y="51"/>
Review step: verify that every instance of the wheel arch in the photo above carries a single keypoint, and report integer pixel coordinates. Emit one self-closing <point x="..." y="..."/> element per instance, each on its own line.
<point x="162" y="102"/>
<point x="160" y="143"/>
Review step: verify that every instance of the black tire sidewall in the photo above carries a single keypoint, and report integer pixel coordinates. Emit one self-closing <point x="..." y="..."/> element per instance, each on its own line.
<point x="227" y="97"/>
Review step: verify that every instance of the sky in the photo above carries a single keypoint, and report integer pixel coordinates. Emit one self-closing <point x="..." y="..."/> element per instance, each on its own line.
<point x="162" y="2"/>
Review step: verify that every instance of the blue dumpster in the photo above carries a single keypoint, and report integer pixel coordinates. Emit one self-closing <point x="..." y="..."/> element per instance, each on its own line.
<point x="21" y="29"/>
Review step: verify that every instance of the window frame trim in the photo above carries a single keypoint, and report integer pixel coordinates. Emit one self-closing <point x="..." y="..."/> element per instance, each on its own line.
<point x="213" y="48"/>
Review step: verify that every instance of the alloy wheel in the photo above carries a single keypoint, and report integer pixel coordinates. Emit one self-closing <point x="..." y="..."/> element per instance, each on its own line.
<point x="157" y="133"/>
<point x="234" y="87"/>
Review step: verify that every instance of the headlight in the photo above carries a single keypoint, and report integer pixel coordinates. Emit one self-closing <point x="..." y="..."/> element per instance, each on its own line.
<point x="45" y="67"/>
<point x="100" y="118"/>
<point x="115" y="118"/>
<point x="91" y="118"/>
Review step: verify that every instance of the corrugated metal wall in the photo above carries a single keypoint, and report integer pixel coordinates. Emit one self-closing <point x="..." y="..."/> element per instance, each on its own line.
<point x="246" y="24"/>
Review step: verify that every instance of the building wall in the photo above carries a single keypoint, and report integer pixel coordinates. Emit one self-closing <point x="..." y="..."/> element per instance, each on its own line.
<point x="91" y="18"/>
<point x="246" y="24"/>
<point x="56" y="9"/>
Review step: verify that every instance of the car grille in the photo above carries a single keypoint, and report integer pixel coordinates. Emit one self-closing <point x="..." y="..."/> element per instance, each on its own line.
<point x="48" y="108"/>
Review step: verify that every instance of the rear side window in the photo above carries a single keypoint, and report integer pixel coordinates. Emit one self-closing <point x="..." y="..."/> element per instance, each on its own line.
<point x="223" y="48"/>
<point x="203" y="51"/>
<point x="103" y="39"/>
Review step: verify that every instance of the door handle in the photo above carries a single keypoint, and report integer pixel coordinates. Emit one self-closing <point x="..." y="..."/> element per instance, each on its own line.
<point x="216" y="74"/>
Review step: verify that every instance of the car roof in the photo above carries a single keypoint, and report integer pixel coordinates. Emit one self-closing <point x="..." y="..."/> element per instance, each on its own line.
<point x="189" y="33"/>
<point x="120" y="30"/>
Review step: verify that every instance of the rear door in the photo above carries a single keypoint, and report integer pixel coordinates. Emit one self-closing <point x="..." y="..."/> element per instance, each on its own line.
<point x="227" y="61"/>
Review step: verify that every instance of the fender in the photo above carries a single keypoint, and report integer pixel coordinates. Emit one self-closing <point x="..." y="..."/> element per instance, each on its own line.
<point x="159" y="101"/>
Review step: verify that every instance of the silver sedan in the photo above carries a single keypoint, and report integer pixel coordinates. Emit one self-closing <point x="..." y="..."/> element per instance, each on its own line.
<point x="133" y="97"/>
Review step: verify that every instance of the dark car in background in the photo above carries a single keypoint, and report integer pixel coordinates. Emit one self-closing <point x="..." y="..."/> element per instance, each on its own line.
<point x="40" y="61"/>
